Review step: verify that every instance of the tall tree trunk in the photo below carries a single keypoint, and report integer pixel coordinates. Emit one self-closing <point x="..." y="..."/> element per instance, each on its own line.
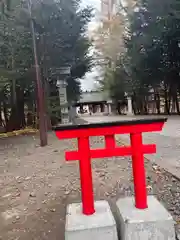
<point x="46" y="97"/>
<point x="177" y="105"/>
<point x="145" y="106"/>
<point x="166" y="106"/>
<point x="134" y="104"/>
<point x="157" y="100"/>
<point x="20" y="103"/>
<point x="141" y="106"/>
<point x="5" y="113"/>
<point x="44" y="67"/>
<point x="176" y="101"/>
<point x="119" y="108"/>
<point x="1" y="120"/>
<point x="30" y="114"/>
<point x="169" y="103"/>
<point x="16" y="119"/>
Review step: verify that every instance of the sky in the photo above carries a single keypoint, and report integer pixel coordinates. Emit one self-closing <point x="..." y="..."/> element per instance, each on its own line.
<point x="88" y="82"/>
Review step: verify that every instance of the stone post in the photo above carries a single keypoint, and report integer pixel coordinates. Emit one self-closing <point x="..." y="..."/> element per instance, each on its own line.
<point x="63" y="101"/>
<point x="109" y="103"/>
<point x="129" y="102"/>
<point x="62" y="85"/>
<point x="130" y="109"/>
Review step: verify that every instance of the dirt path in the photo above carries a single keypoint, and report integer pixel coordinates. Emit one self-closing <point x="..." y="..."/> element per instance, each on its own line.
<point x="36" y="184"/>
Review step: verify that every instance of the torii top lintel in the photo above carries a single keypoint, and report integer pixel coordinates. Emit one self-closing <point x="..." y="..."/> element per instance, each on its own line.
<point x="106" y="128"/>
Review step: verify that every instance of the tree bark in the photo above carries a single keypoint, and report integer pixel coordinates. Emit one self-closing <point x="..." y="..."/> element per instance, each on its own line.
<point x="157" y="100"/>
<point x="166" y="106"/>
<point x="176" y="101"/>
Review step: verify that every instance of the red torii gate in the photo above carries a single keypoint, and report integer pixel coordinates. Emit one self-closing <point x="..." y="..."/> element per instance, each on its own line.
<point x="137" y="150"/>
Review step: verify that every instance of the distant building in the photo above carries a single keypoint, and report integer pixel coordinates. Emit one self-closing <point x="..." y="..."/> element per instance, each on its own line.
<point x="94" y="97"/>
<point x="94" y="101"/>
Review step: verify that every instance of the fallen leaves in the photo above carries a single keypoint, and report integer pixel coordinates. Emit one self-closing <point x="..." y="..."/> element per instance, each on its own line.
<point x="25" y="131"/>
<point x="32" y="194"/>
<point x="156" y="169"/>
<point x="53" y="210"/>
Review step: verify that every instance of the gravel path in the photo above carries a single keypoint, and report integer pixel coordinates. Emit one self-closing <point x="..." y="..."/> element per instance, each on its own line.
<point x="36" y="184"/>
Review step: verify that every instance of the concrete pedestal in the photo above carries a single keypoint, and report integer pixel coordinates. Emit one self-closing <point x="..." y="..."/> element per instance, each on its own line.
<point x="99" y="226"/>
<point x="154" y="223"/>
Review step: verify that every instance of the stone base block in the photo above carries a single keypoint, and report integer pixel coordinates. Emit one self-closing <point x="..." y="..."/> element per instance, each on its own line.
<point x="99" y="226"/>
<point x="153" y="223"/>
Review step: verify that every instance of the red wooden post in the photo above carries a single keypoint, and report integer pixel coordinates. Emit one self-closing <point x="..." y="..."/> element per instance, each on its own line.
<point x="110" y="142"/>
<point x="86" y="176"/>
<point x="138" y="171"/>
<point x="136" y="150"/>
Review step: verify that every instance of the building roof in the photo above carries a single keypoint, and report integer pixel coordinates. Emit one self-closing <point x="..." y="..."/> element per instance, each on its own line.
<point x="94" y="96"/>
